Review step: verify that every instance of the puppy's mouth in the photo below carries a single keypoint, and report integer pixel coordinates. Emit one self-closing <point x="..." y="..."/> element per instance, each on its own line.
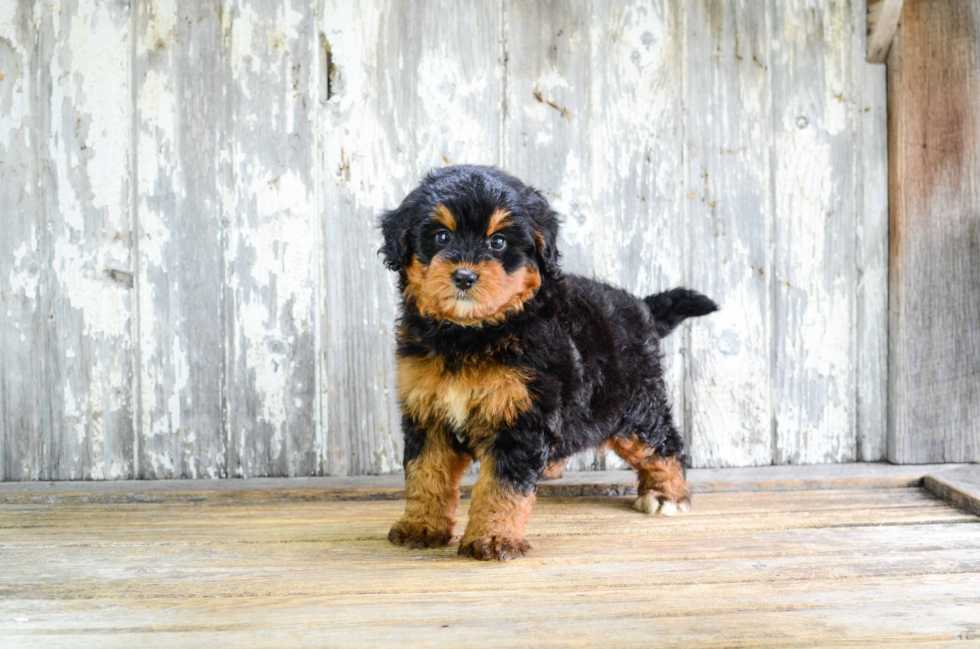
<point x="472" y="295"/>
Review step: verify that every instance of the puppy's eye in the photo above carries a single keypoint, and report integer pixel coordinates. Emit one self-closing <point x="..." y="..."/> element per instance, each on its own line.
<point x="443" y="237"/>
<point x="497" y="242"/>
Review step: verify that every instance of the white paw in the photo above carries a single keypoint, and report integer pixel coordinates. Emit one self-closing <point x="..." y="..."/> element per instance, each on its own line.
<point x="647" y="503"/>
<point x="650" y="504"/>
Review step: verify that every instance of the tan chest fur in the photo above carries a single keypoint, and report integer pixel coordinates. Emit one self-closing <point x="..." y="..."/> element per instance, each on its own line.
<point x="480" y="397"/>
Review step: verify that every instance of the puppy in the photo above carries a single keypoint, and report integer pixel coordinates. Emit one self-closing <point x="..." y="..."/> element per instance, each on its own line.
<point x="505" y="359"/>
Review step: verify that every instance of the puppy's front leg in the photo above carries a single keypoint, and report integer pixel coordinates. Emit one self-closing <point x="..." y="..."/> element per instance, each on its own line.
<point x="431" y="492"/>
<point x="498" y="514"/>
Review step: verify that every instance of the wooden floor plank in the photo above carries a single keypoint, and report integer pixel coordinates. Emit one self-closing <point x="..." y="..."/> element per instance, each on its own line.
<point x="714" y="514"/>
<point x="860" y="475"/>
<point x="605" y="507"/>
<point x="243" y="613"/>
<point x="377" y="609"/>
<point x="885" y="624"/>
<point x="960" y="487"/>
<point x="403" y="582"/>
<point x="852" y="566"/>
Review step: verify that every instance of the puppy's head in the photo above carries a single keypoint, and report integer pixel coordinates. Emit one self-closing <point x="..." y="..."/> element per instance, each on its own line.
<point x="473" y="244"/>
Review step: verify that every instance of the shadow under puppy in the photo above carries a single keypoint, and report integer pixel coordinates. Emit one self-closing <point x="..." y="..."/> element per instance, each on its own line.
<point x="505" y="359"/>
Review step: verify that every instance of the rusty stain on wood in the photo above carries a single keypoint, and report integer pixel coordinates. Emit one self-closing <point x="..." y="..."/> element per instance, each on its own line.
<point x="561" y="111"/>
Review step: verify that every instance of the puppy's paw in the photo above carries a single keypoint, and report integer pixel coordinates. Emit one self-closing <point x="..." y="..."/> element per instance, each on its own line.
<point x="493" y="548"/>
<point x="651" y="503"/>
<point x="412" y="534"/>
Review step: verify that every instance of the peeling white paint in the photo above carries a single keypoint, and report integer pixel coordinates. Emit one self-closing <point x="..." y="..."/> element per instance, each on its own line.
<point x="815" y="393"/>
<point x="23" y="278"/>
<point x="161" y="28"/>
<point x="105" y="307"/>
<point x="15" y="90"/>
<point x="99" y="59"/>
<point x="65" y="147"/>
<point x="663" y="181"/>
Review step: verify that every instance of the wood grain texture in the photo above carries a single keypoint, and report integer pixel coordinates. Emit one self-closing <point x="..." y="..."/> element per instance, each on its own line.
<point x="883" y="17"/>
<point x="871" y="257"/>
<point x="20" y="255"/>
<point x="959" y="486"/>
<point x="636" y="168"/>
<point x="728" y="207"/>
<point x="813" y="112"/>
<point x="66" y="384"/>
<point x="269" y="160"/>
<point x="356" y="305"/>
<point x="392" y="486"/>
<point x="189" y="274"/>
<point x="180" y="127"/>
<point x="884" y="567"/>
<point x="934" y="298"/>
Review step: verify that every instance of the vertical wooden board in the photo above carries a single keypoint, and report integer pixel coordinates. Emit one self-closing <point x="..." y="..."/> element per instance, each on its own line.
<point x="871" y="287"/>
<point x="636" y="175"/>
<point x="410" y="86"/>
<point x="88" y="222"/>
<point x="546" y="141"/>
<point x="21" y="264"/>
<point x="269" y="161"/>
<point x="180" y="131"/>
<point x="813" y="156"/>
<point x="71" y="259"/>
<point x="547" y="111"/>
<point x="232" y="258"/>
<point x="934" y="275"/>
<point x="727" y="106"/>
<point x="358" y="164"/>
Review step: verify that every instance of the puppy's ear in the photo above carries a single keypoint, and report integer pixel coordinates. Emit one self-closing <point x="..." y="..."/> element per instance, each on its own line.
<point x="546" y="224"/>
<point x="394" y="224"/>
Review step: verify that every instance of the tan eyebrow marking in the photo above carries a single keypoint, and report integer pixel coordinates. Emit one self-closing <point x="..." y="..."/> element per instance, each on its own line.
<point x="499" y="219"/>
<point x="444" y="216"/>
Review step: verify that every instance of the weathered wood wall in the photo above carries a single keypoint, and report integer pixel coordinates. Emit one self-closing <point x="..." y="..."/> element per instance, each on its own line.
<point x="934" y="144"/>
<point x="189" y="187"/>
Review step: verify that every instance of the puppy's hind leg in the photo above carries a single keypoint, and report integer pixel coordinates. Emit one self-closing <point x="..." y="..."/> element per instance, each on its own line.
<point x="662" y="489"/>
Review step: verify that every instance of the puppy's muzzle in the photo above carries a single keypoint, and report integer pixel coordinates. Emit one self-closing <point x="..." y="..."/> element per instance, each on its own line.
<point x="464" y="278"/>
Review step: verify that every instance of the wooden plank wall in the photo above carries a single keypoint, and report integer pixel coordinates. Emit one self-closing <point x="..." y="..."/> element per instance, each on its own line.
<point x="188" y="192"/>
<point x="934" y="144"/>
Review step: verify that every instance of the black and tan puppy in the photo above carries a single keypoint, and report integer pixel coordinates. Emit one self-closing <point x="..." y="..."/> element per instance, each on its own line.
<point x="505" y="359"/>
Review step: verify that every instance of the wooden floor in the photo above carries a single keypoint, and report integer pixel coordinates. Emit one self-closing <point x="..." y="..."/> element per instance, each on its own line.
<point x="867" y="565"/>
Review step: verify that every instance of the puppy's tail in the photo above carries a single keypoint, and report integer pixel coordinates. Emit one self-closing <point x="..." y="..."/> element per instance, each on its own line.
<point x="672" y="307"/>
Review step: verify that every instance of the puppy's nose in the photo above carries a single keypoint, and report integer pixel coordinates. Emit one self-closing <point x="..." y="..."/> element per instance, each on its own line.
<point x="464" y="278"/>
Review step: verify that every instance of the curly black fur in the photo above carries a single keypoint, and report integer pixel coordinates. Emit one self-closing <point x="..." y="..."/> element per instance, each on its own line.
<point x="672" y="307"/>
<point x="592" y="351"/>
